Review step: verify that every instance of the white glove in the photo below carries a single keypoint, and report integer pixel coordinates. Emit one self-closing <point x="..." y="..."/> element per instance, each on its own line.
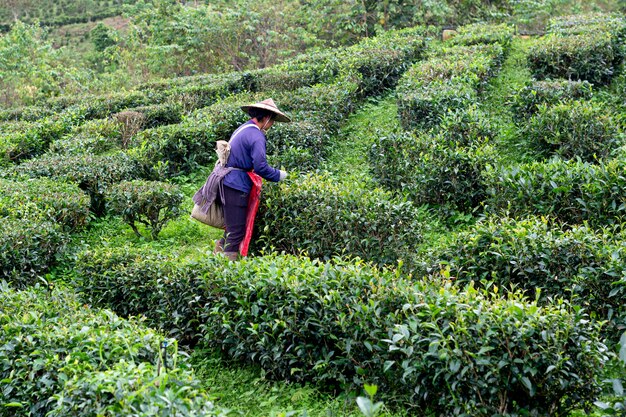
<point x="283" y="175"/>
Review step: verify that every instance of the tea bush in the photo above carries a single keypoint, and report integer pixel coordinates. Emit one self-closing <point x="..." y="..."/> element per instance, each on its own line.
<point x="432" y="170"/>
<point x="577" y="262"/>
<point x="474" y="34"/>
<point x="95" y="136"/>
<point x="324" y="217"/>
<point x="346" y="322"/>
<point x="28" y="248"/>
<point x="587" y="57"/>
<point x="421" y="105"/>
<point x="61" y="358"/>
<point x="449" y="80"/>
<point x="173" y="149"/>
<point x="92" y="173"/>
<point x="575" y="129"/>
<point x="24" y="140"/>
<point x="614" y="24"/>
<point x="160" y="114"/>
<point x="572" y="192"/>
<point x="466" y="127"/>
<point x="527" y="100"/>
<point x="150" y="203"/>
<point x="297" y="145"/>
<point x="44" y="199"/>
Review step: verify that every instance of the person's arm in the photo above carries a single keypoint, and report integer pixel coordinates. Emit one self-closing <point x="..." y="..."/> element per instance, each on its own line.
<point x="260" y="165"/>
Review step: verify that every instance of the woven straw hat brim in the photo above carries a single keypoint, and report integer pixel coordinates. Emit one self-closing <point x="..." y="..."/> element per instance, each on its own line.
<point x="269" y="105"/>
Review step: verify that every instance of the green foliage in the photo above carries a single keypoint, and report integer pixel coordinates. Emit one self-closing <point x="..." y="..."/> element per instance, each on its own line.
<point x="474" y="34"/>
<point x="61" y="358"/>
<point x="150" y="203"/>
<point x="448" y="81"/>
<point x="471" y="344"/>
<point x="433" y="169"/>
<point x="588" y="56"/>
<point x="102" y="37"/>
<point x="44" y="199"/>
<point x="174" y="149"/>
<point x="92" y="173"/>
<point x="572" y="192"/>
<point x="577" y="263"/>
<point x="96" y="137"/>
<point x="527" y="100"/>
<point x="321" y="216"/>
<point x="347" y="322"/>
<point x="28" y="248"/>
<point x="575" y="129"/>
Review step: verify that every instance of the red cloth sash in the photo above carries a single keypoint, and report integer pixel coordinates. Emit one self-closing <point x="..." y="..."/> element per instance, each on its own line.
<point x="253" y="207"/>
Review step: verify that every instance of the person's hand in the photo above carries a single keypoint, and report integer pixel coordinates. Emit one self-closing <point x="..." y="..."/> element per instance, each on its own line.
<point x="283" y="175"/>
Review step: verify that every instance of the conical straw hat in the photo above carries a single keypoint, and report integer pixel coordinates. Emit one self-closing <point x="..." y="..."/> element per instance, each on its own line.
<point x="269" y="104"/>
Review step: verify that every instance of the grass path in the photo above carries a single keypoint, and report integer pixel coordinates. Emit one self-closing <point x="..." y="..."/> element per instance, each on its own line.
<point x="349" y="157"/>
<point x="513" y="75"/>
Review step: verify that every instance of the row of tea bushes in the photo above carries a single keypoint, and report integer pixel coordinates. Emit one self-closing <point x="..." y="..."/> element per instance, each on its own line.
<point x="439" y="349"/>
<point x="446" y="82"/>
<point x="28" y="249"/>
<point x="574" y="129"/>
<point x="579" y="263"/>
<point x="324" y="217"/>
<point x="24" y="140"/>
<point x="44" y="199"/>
<point x="36" y="217"/>
<point x="91" y="173"/>
<point x="61" y="358"/>
<point x="317" y="112"/>
<point x="431" y="169"/>
<point x="580" y="49"/>
<point x="451" y="77"/>
<point x="443" y="169"/>
<point x="572" y="192"/>
<point x="528" y="99"/>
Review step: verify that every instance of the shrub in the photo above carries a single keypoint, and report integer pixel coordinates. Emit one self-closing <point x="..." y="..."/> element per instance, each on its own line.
<point x="448" y="81"/>
<point x="150" y="203"/>
<point x="92" y="173"/>
<point x="326" y="105"/>
<point x="62" y="358"/>
<point x="528" y="99"/>
<point x="423" y="105"/>
<point x="576" y="263"/>
<point x="44" y="199"/>
<point x="341" y="322"/>
<point x="297" y="145"/>
<point x="323" y="217"/>
<point x="430" y="170"/>
<point x="466" y="127"/>
<point x="570" y="191"/>
<point x="476" y="34"/>
<point x="26" y="140"/>
<point x="581" y="57"/>
<point x="28" y="248"/>
<point x="95" y="137"/>
<point x="174" y="149"/>
<point x="576" y="129"/>
<point x="159" y="114"/>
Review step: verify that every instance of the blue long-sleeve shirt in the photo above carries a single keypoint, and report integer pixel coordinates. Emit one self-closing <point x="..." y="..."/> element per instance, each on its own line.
<point x="247" y="152"/>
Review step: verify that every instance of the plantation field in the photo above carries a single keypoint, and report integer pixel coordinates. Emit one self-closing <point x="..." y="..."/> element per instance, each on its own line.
<point x="450" y="232"/>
